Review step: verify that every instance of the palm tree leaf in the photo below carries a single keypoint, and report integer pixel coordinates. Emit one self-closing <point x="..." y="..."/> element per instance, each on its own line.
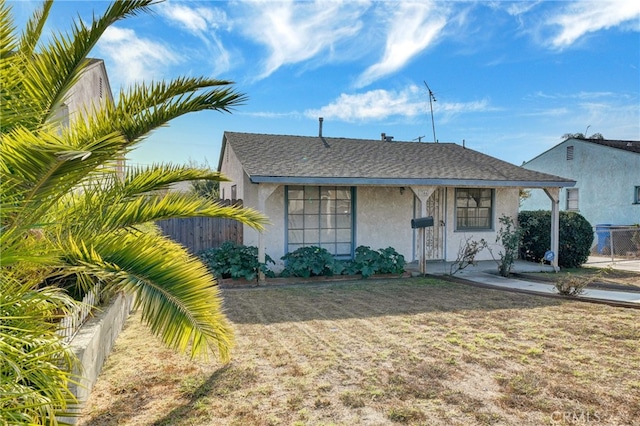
<point x="179" y="298"/>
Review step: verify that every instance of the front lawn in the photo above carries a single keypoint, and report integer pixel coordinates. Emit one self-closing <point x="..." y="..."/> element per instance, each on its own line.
<point x="378" y="352"/>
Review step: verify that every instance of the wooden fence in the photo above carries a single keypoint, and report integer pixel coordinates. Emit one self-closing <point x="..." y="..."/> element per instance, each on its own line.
<point x="201" y="233"/>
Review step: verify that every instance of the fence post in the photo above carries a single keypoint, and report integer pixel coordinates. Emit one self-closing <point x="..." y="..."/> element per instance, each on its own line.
<point x="611" y="244"/>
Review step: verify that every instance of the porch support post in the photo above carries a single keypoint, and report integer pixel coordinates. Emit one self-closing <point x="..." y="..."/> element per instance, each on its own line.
<point x="423" y="193"/>
<point x="554" y="195"/>
<point x="264" y="192"/>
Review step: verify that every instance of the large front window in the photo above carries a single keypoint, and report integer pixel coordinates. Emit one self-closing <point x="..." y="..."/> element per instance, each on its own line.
<point x="474" y="207"/>
<point x="320" y="216"/>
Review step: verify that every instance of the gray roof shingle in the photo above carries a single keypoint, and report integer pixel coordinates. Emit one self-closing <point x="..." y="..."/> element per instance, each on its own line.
<point x="631" y="146"/>
<point x="323" y="160"/>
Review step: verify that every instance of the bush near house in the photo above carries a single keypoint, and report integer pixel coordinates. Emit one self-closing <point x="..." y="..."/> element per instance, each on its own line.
<point x="314" y="261"/>
<point x="368" y="262"/>
<point x="232" y="260"/>
<point x="576" y="237"/>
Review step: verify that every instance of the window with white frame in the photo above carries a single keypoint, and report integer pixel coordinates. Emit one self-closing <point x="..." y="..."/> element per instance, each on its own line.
<point x="636" y="198"/>
<point x="572" y="199"/>
<point x="474" y="208"/>
<point x="320" y="216"/>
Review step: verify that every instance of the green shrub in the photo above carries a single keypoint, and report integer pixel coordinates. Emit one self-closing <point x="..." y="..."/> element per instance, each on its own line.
<point x="509" y="236"/>
<point x="233" y="260"/>
<point x="368" y="262"/>
<point x="310" y="261"/>
<point x="576" y="237"/>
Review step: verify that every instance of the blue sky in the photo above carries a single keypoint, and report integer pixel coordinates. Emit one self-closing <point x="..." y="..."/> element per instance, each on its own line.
<point x="510" y="78"/>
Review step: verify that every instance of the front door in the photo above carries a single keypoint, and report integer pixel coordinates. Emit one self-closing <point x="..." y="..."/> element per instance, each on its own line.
<point x="434" y="236"/>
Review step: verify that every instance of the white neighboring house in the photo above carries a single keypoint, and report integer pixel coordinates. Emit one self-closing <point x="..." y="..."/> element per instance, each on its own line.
<point x="91" y="91"/>
<point x="607" y="175"/>
<point x="341" y="193"/>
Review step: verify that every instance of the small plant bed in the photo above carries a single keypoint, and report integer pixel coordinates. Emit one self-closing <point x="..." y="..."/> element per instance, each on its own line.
<point x="237" y="265"/>
<point x="604" y="277"/>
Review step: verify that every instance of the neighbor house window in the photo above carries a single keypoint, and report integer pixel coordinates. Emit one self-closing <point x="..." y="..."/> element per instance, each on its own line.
<point x="636" y="198"/>
<point x="572" y="199"/>
<point x="234" y="192"/>
<point x="474" y="208"/>
<point x="320" y="216"/>
<point x="570" y="152"/>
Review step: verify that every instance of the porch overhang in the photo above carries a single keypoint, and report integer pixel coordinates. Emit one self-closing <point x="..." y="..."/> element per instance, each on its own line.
<point x="357" y="181"/>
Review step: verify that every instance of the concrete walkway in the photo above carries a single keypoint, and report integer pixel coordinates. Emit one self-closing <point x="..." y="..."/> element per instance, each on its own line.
<point x="486" y="273"/>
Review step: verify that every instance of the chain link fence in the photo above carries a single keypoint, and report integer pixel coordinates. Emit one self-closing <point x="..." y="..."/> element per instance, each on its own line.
<point x="617" y="242"/>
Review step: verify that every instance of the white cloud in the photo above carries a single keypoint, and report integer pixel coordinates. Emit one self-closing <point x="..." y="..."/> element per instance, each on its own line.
<point x="411" y="101"/>
<point x="578" y="95"/>
<point x="196" y="20"/>
<point x="581" y="18"/>
<point x="412" y="28"/>
<point x="135" y="59"/>
<point x="298" y="31"/>
<point x="204" y="23"/>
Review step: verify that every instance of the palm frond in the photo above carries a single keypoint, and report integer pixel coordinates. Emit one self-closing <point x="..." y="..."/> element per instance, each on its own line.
<point x="35" y="365"/>
<point x="179" y="298"/>
<point x="110" y="216"/>
<point x="8" y="42"/>
<point x="33" y="29"/>
<point x="46" y="168"/>
<point x="146" y="107"/>
<point x="143" y="179"/>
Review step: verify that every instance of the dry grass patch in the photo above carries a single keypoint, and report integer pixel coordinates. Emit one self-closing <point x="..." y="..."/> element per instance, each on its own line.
<point x="595" y="276"/>
<point x="413" y="351"/>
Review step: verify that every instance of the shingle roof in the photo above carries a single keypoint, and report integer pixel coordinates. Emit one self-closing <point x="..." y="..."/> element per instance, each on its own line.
<point x="322" y="160"/>
<point x="632" y="146"/>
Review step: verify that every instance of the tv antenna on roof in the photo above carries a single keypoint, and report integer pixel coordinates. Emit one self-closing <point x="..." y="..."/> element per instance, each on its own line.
<point x="432" y="99"/>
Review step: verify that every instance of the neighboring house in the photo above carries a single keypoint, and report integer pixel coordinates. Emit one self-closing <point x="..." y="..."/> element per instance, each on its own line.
<point x="91" y="91"/>
<point x="607" y="175"/>
<point x="341" y="193"/>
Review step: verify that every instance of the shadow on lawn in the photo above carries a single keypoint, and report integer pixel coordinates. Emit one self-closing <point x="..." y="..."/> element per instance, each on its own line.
<point x="369" y="298"/>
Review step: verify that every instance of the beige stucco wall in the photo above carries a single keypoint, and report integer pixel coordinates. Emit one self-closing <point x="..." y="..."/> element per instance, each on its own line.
<point x="383" y="219"/>
<point x="231" y="168"/>
<point x="506" y="201"/>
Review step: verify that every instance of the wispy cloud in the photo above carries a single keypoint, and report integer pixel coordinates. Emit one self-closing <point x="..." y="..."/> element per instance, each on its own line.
<point x="412" y="27"/>
<point x="204" y="23"/>
<point x="584" y="17"/>
<point x="132" y="58"/>
<point x="373" y="105"/>
<point x="198" y="20"/>
<point x="579" y="95"/>
<point x="294" y="32"/>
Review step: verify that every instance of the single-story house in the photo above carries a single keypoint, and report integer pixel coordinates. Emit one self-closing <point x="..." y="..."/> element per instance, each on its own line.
<point x="340" y="193"/>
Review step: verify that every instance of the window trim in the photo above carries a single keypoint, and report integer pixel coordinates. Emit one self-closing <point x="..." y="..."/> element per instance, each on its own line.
<point x="491" y="211"/>
<point x="352" y="190"/>
<point x="575" y="191"/>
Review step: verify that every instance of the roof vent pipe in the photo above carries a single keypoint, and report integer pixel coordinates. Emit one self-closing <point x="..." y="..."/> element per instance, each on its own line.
<point x="320" y="120"/>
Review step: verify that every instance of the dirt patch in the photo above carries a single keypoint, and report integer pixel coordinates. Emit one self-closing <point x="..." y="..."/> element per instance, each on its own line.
<point x="412" y="351"/>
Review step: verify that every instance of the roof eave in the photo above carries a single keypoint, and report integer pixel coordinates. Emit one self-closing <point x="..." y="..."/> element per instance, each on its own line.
<point x="314" y="180"/>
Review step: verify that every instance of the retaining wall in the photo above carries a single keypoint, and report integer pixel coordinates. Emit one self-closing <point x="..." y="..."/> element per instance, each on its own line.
<point x="94" y="342"/>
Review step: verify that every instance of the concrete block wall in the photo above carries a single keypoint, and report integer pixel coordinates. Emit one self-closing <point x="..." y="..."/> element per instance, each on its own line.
<point x="94" y="342"/>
